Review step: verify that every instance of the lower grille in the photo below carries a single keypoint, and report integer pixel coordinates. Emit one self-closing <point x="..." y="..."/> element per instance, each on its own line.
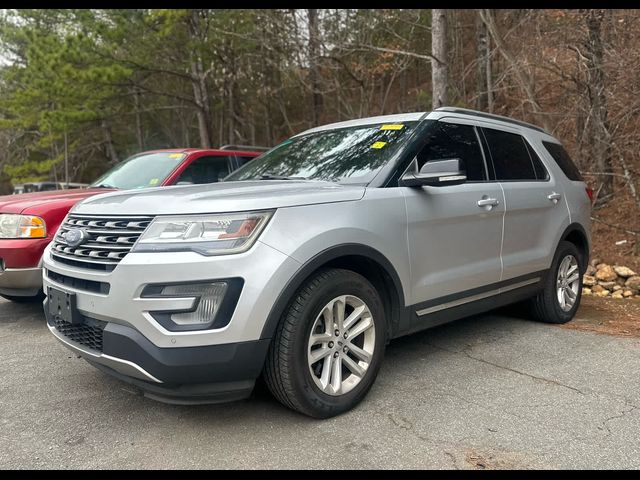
<point x="79" y="283"/>
<point x="88" y="334"/>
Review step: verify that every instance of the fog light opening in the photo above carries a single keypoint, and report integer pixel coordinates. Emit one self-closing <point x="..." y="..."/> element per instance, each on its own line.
<point x="209" y="297"/>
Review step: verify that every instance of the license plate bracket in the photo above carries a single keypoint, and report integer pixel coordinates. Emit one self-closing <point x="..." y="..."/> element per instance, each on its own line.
<point x="62" y="305"/>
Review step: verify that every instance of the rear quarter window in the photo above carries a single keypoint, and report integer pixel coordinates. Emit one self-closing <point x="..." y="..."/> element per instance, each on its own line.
<point x="563" y="160"/>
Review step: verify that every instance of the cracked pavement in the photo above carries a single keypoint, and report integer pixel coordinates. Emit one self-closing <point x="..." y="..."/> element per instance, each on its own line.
<point x="484" y="392"/>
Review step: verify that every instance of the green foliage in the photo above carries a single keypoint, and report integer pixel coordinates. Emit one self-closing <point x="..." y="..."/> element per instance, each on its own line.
<point x="31" y="170"/>
<point x="60" y="81"/>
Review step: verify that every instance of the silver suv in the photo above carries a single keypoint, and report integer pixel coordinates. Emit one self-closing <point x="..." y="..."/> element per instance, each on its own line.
<point x="302" y="265"/>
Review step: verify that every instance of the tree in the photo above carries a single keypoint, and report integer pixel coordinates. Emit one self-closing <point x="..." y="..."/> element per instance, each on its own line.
<point x="439" y="52"/>
<point x="595" y="85"/>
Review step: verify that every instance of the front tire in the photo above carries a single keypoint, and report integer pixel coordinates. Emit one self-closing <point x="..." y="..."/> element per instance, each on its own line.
<point x="560" y="299"/>
<point x="328" y="346"/>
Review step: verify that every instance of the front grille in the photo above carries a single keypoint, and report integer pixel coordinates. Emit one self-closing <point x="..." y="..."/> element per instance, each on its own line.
<point x="88" y="334"/>
<point x="109" y="240"/>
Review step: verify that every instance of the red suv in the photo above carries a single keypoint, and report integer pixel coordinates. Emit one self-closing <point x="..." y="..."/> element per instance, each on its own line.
<point x="28" y="222"/>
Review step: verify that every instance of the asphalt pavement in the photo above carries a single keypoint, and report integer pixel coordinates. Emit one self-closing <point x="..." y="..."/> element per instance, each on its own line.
<point x="484" y="392"/>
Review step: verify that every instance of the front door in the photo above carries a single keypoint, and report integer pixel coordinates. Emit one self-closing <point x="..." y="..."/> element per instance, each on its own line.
<point x="454" y="232"/>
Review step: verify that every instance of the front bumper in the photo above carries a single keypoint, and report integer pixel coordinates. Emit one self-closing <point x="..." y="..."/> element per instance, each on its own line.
<point x="188" y="375"/>
<point x="20" y="266"/>
<point x="176" y="366"/>
<point x="21" y="282"/>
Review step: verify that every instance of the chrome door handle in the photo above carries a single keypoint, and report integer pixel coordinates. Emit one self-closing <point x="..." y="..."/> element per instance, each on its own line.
<point x="554" y="197"/>
<point x="488" y="202"/>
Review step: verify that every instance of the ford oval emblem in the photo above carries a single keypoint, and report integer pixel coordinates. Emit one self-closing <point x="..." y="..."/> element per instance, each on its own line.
<point x="75" y="237"/>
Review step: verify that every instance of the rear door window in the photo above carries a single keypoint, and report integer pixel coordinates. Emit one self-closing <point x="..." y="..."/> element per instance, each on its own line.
<point x="512" y="157"/>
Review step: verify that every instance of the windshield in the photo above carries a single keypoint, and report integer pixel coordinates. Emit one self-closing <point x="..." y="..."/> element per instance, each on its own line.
<point x="344" y="155"/>
<point x="148" y="170"/>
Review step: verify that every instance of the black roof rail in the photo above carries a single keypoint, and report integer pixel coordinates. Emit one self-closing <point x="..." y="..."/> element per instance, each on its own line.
<point x="476" y="113"/>
<point x="245" y="147"/>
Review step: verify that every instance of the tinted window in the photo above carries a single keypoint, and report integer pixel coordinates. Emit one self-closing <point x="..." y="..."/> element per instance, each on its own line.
<point x="541" y="172"/>
<point x="563" y="160"/>
<point x="510" y="155"/>
<point x="205" y="170"/>
<point x="243" y="160"/>
<point x="448" y="140"/>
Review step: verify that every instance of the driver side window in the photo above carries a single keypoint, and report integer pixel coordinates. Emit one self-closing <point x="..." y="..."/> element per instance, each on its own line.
<point x="450" y="140"/>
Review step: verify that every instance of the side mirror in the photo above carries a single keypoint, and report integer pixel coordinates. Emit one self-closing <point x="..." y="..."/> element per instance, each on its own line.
<point x="435" y="173"/>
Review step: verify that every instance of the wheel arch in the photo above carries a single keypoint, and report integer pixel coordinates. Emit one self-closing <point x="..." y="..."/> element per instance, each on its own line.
<point x="362" y="259"/>
<point x="576" y="234"/>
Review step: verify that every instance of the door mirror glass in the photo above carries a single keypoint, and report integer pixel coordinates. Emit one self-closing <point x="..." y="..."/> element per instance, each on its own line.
<point x="435" y="173"/>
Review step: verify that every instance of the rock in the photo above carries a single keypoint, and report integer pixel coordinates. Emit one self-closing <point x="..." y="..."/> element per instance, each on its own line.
<point x="616" y="287"/>
<point x="617" y="295"/>
<point x="595" y="261"/>
<point x="603" y="293"/>
<point x="589" y="280"/>
<point x="627" y="294"/>
<point x="609" y="285"/>
<point x="598" y="289"/>
<point x="586" y="291"/>
<point x="606" y="273"/>
<point x="633" y="283"/>
<point x="591" y="270"/>
<point x="624" y="271"/>
<point x="600" y="266"/>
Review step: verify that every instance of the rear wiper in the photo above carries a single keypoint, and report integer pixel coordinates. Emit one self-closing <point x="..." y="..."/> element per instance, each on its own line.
<point x="269" y="176"/>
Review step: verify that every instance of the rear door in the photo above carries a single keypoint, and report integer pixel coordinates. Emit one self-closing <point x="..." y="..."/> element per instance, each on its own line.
<point x="535" y="207"/>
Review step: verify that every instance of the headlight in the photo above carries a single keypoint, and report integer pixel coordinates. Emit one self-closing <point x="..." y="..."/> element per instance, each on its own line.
<point x="22" y="226"/>
<point x="205" y="234"/>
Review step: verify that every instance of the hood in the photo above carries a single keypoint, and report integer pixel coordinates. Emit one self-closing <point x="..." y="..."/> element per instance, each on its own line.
<point x="219" y="198"/>
<point x="37" y="203"/>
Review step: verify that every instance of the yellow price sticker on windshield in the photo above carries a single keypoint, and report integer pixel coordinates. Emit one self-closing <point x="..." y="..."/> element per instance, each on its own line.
<point x="378" y="145"/>
<point x="392" y="126"/>
<point x="154" y="181"/>
<point x="176" y="155"/>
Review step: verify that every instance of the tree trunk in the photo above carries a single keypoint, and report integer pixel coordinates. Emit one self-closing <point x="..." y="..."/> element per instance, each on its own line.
<point x="314" y="74"/>
<point x="139" y="133"/>
<point x="600" y="134"/>
<point x="108" y="139"/>
<point x="231" y="135"/>
<point x="439" y="50"/>
<point x="199" y="83"/>
<point x="482" y="74"/>
<point x="202" y="102"/>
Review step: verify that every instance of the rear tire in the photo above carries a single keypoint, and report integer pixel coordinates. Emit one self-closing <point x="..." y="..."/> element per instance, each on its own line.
<point x="28" y="299"/>
<point x="328" y="346"/>
<point x="560" y="298"/>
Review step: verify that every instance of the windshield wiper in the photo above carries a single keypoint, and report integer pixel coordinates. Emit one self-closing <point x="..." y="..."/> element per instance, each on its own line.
<point x="269" y="176"/>
<point x="103" y="185"/>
